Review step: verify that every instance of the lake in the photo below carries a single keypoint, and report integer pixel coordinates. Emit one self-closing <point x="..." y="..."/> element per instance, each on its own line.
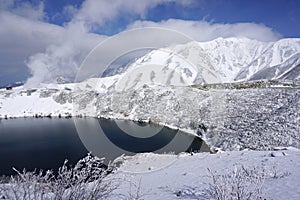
<point x="44" y="143"/>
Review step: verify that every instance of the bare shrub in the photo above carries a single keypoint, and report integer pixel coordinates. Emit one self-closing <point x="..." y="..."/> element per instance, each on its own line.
<point x="135" y="191"/>
<point x="238" y="184"/>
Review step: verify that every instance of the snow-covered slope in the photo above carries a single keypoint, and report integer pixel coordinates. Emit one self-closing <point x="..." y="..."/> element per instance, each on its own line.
<point x="226" y="56"/>
<point x="285" y="52"/>
<point x="186" y="176"/>
<point x="236" y="119"/>
<point x="51" y="99"/>
<point x="220" y="60"/>
<point x="288" y="70"/>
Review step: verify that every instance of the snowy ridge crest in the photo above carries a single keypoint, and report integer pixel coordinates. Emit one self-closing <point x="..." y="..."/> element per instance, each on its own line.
<point x="226" y="60"/>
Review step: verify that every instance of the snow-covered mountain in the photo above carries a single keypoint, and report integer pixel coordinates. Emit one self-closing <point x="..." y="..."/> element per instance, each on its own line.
<point x="287" y="70"/>
<point x="221" y="60"/>
<point x="147" y="91"/>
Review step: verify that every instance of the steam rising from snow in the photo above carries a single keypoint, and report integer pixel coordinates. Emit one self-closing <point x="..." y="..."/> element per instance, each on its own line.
<point x="61" y="61"/>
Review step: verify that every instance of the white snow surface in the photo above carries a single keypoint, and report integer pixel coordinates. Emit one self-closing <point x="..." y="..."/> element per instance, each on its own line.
<point x="163" y="176"/>
<point x="223" y="60"/>
<point x="24" y="102"/>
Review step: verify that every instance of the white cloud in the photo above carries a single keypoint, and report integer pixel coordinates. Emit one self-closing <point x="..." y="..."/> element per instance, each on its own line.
<point x="20" y="38"/>
<point x="47" y="49"/>
<point x="70" y="11"/>
<point x="64" y="59"/>
<point x="52" y="51"/>
<point x="6" y="4"/>
<point x="24" y="9"/>
<point x="21" y="35"/>
<point x="205" y="31"/>
<point x="95" y="12"/>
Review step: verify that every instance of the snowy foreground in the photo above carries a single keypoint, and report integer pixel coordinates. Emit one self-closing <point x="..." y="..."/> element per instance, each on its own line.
<point x="187" y="176"/>
<point x="226" y="175"/>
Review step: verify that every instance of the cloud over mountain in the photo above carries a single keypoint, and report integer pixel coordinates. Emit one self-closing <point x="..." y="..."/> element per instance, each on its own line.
<point x="29" y="43"/>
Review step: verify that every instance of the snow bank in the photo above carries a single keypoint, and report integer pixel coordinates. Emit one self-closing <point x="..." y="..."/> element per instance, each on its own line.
<point x="187" y="177"/>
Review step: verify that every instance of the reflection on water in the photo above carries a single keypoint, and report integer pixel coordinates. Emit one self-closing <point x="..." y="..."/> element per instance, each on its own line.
<point x="45" y="143"/>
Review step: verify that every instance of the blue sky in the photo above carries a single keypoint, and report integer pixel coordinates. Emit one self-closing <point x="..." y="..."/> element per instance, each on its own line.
<point x="50" y="38"/>
<point x="281" y="15"/>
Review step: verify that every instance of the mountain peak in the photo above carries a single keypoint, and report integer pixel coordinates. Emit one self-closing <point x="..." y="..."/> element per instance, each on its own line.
<point x="227" y="59"/>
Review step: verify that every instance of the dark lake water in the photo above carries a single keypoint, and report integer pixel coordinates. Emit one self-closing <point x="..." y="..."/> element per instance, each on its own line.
<point x="45" y="143"/>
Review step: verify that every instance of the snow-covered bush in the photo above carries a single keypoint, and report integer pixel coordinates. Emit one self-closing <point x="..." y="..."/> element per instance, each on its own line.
<point x="88" y="179"/>
<point x="241" y="183"/>
<point x="27" y="185"/>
